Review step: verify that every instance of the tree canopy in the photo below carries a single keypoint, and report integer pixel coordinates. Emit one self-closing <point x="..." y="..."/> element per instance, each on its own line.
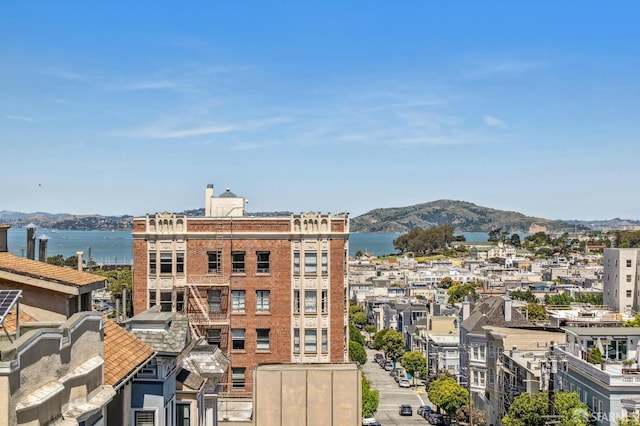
<point x="355" y="335"/>
<point x="357" y="353"/>
<point x="530" y="409"/>
<point x="524" y="295"/>
<point x="534" y="312"/>
<point x="390" y="342"/>
<point x="370" y="398"/>
<point x="457" y="293"/>
<point x="425" y="241"/>
<point x="415" y="363"/>
<point x="447" y="394"/>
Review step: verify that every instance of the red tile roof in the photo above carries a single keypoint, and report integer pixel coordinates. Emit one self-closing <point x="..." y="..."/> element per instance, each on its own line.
<point x="40" y="270"/>
<point x="123" y="353"/>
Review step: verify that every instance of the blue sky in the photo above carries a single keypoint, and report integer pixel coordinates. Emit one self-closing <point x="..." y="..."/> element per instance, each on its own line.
<point x="134" y="107"/>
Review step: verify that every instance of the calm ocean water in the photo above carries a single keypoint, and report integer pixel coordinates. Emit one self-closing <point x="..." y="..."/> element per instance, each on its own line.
<point x="117" y="246"/>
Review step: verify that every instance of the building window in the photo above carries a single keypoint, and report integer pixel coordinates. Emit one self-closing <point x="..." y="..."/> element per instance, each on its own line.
<point x="262" y="262"/>
<point x="325" y="263"/>
<point x="262" y="339"/>
<point x="214" y="336"/>
<point x="296" y="301"/>
<point x="166" y="301"/>
<point x="144" y="418"/>
<point x="213" y="262"/>
<point x="296" y="340"/>
<point x="629" y="293"/>
<point x="237" y="337"/>
<point x="179" y="262"/>
<point x="183" y="415"/>
<point x="628" y="278"/>
<point x="310" y="301"/>
<point x="310" y="340"/>
<point x="179" y="301"/>
<point x="325" y="340"/>
<point x="237" y="377"/>
<point x="296" y="262"/>
<point x="237" y="301"/>
<point x="166" y="262"/>
<point x="325" y="302"/>
<point x="152" y="298"/>
<point x="310" y="263"/>
<point x="262" y="300"/>
<point x="237" y="261"/>
<point x="214" y="300"/>
<point x="152" y="264"/>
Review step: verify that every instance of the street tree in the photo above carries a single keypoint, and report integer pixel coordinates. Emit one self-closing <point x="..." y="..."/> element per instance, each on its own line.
<point x="415" y="363"/>
<point x="531" y="409"/>
<point x="378" y="338"/>
<point x="393" y="345"/>
<point x="524" y="295"/>
<point x="630" y="420"/>
<point x="560" y="299"/>
<point x="448" y="394"/>
<point x="355" y="334"/>
<point x="359" y="319"/>
<point x="370" y="398"/>
<point x="515" y="240"/>
<point x="445" y="283"/>
<point x="357" y="353"/>
<point x="635" y="322"/>
<point x="457" y="293"/>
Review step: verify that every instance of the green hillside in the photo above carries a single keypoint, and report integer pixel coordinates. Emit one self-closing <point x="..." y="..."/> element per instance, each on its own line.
<point x="464" y="216"/>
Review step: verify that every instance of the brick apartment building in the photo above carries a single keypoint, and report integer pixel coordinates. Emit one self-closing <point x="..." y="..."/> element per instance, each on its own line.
<point x="265" y="289"/>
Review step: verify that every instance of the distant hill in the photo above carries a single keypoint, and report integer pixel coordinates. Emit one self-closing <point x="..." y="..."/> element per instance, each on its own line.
<point x="615" y="223"/>
<point x="464" y="216"/>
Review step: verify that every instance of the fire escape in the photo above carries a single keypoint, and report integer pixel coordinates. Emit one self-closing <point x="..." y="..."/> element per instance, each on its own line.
<point x="207" y="296"/>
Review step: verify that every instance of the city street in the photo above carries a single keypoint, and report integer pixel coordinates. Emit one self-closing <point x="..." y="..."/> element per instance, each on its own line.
<point x="391" y="395"/>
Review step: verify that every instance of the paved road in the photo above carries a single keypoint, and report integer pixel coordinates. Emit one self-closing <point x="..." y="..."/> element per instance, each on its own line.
<point x="391" y="396"/>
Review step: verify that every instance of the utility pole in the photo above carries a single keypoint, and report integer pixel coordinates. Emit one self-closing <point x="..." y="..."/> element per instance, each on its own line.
<point x="552" y="371"/>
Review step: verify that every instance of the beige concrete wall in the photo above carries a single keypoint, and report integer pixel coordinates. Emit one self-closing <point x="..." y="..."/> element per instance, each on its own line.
<point x="307" y="394"/>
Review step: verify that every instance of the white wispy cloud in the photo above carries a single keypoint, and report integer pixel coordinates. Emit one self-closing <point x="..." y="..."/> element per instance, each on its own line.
<point x="152" y="85"/>
<point x="501" y="67"/>
<point x="494" y="122"/>
<point x="175" y="133"/>
<point x="66" y="74"/>
<point x="19" y="118"/>
<point x="250" y="146"/>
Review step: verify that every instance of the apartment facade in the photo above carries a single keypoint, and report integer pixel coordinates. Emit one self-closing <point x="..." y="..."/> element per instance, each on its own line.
<point x="620" y="280"/>
<point x="264" y="289"/>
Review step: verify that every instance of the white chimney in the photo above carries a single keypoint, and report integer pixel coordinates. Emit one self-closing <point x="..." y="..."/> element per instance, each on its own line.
<point x="466" y="308"/>
<point x="79" y="254"/>
<point x="208" y="199"/>
<point x="507" y="309"/>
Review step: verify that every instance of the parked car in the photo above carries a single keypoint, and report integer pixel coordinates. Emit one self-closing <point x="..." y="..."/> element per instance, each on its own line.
<point x="423" y="410"/>
<point x="434" y="418"/>
<point x="370" y="421"/>
<point x="404" y="383"/>
<point x="394" y="372"/>
<point x="406" y="410"/>
<point x="388" y="366"/>
<point x="399" y="377"/>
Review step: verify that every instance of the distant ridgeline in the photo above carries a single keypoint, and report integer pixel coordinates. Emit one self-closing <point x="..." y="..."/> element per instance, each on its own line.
<point x="463" y="216"/>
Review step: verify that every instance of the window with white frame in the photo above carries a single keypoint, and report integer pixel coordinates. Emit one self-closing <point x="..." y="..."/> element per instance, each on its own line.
<point x="310" y="301"/>
<point x="262" y="300"/>
<point x="214" y="300"/>
<point x="183" y="414"/>
<point x="310" y="340"/>
<point x="237" y="300"/>
<point x="325" y="340"/>
<point x="296" y="301"/>
<point x="214" y="336"/>
<point x="325" y="263"/>
<point x="325" y="301"/>
<point x="262" y="339"/>
<point x="144" y="418"/>
<point x="296" y="262"/>
<point x="238" y="377"/>
<point x="237" y="262"/>
<point x="296" y="340"/>
<point x="213" y="262"/>
<point x="152" y="264"/>
<point x="179" y="262"/>
<point x="237" y="338"/>
<point x="310" y="263"/>
<point x="166" y="262"/>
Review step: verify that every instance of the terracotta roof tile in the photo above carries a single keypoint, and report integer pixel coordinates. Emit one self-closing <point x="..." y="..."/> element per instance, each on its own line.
<point x="32" y="268"/>
<point x="123" y="353"/>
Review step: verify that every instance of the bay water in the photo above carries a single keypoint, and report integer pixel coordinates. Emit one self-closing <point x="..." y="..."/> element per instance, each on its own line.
<point x="116" y="247"/>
